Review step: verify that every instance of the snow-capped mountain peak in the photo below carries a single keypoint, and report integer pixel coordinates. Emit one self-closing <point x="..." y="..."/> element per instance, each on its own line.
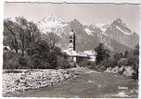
<point x="124" y="32"/>
<point x="122" y="27"/>
<point x="88" y="31"/>
<point x="52" y="24"/>
<point x="115" y="35"/>
<point x="101" y="26"/>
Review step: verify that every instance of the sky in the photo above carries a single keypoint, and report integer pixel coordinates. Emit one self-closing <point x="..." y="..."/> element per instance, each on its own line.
<point x="85" y="13"/>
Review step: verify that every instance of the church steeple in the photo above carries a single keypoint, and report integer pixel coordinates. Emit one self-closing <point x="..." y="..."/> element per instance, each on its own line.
<point x="72" y="40"/>
<point x="72" y="46"/>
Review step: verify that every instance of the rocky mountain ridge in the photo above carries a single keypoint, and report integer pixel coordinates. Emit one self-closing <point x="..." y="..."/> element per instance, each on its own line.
<point x="115" y="36"/>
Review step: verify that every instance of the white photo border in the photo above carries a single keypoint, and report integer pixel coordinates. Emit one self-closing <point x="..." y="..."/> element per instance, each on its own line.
<point x="133" y="2"/>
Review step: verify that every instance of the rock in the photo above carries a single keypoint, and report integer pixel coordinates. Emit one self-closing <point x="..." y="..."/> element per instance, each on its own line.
<point x="33" y="79"/>
<point x="128" y="71"/>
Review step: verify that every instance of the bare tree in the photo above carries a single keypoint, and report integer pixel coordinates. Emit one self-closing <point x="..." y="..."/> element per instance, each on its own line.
<point x="51" y="39"/>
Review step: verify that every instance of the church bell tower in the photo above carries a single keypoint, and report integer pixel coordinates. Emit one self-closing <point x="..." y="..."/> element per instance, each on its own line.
<point x="72" y="45"/>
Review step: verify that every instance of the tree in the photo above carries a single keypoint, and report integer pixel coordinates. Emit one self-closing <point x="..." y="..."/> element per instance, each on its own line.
<point x="126" y="54"/>
<point x="136" y="50"/>
<point x="51" y="38"/>
<point x="39" y="54"/>
<point x="28" y="33"/>
<point x="33" y="50"/>
<point x="43" y="57"/>
<point x="136" y="62"/>
<point x="10" y="36"/>
<point x="102" y="53"/>
<point x="20" y="33"/>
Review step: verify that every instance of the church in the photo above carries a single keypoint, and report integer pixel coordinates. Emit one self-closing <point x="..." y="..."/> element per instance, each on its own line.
<point x="75" y="56"/>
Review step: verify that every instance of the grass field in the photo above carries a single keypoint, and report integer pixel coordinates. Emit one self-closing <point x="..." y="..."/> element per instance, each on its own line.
<point x="87" y="84"/>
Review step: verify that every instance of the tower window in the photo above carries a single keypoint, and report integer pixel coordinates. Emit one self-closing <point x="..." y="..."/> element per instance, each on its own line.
<point x="70" y="41"/>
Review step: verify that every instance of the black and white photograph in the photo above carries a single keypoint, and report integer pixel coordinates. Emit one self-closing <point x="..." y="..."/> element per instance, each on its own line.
<point x="70" y="50"/>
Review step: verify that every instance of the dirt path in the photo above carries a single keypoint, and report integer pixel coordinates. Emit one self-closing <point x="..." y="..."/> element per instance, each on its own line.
<point x="89" y="84"/>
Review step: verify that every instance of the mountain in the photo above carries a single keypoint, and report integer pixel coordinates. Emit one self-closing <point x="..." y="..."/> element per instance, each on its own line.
<point x="52" y="24"/>
<point x="116" y="36"/>
<point x="86" y="36"/>
<point x="119" y="32"/>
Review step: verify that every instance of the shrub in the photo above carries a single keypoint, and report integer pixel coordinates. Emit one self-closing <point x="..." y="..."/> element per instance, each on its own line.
<point x="42" y="56"/>
<point x="63" y="63"/>
<point x="123" y="61"/>
<point x="88" y="64"/>
<point x="22" y="61"/>
<point x="10" y="60"/>
<point x="39" y="55"/>
<point x="84" y="63"/>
